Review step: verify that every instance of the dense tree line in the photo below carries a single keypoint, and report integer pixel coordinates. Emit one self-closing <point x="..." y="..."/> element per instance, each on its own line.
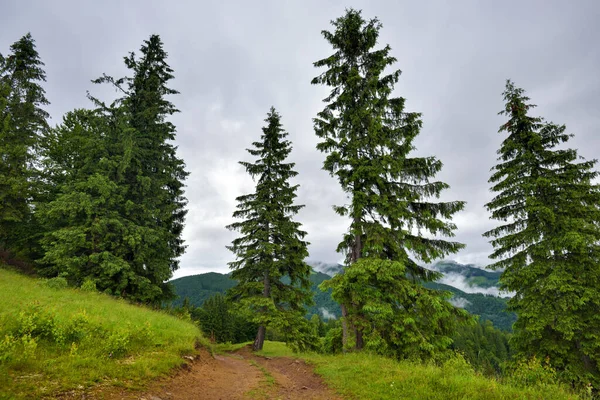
<point x="99" y="197"/>
<point x="98" y="200"/>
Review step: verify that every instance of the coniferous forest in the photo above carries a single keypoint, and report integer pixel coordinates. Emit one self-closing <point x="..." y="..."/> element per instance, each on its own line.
<point x="97" y="201"/>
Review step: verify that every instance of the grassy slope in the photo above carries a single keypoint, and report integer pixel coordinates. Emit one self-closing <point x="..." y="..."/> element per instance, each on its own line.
<point x="366" y="376"/>
<point x="54" y="340"/>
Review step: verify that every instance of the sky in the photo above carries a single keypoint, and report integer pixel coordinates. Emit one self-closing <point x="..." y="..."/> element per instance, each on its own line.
<point x="233" y="60"/>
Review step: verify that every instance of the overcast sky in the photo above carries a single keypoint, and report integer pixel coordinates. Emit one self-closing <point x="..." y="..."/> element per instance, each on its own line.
<point x="233" y="60"/>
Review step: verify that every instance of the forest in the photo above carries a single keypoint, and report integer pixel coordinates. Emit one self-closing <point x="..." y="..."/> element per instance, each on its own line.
<point x="98" y="201"/>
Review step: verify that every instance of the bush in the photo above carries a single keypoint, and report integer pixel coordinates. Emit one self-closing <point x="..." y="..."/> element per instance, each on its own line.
<point x="117" y="344"/>
<point x="531" y="372"/>
<point x="332" y="342"/>
<point x="57" y="283"/>
<point x="89" y="286"/>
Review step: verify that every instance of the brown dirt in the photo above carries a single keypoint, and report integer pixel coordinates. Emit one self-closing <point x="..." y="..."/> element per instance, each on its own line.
<point x="239" y="375"/>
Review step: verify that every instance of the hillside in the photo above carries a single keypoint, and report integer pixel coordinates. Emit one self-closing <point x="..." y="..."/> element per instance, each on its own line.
<point x="198" y="288"/>
<point x="488" y="307"/>
<point x="473" y="276"/>
<point x="54" y="339"/>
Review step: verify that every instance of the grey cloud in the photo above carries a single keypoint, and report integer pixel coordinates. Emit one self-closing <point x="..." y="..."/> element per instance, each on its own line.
<point x="235" y="59"/>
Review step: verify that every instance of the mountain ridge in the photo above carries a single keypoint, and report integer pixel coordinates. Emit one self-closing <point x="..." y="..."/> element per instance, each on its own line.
<point x="486" y="303"/>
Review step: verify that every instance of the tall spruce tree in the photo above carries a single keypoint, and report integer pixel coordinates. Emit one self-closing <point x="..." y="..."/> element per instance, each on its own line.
<point x="154" y="174"/>
<point x="549" y="241"/>
<point x="23" y="122"/>
<point x="273" y="279"/>
<point x="368" y="136"/>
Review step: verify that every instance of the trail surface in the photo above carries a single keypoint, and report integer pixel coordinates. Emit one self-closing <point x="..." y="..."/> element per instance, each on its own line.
<point x="238" y="375"/>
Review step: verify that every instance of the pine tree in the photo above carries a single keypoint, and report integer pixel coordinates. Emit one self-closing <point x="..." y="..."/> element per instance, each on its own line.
<point x="270" y="247"/>
<point x="154" y="175"/>
<point x="87" y="236"/>
<point x="22" y="123"/>
<point x="368" y="136"/>
<point x="548" y="243"/>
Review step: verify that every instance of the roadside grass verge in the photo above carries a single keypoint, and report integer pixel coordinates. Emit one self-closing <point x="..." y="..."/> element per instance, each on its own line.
<point x="368" y="376"/>
<point x="55" y="339"/>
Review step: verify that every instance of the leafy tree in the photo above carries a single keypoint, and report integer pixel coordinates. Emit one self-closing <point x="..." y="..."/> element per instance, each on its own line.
<point x="548" y="242"/>
<point x="22" y="122"/>
<point x="153" y="175"/>
<point x="368" y="136"/>
<point x="270" y="247"/>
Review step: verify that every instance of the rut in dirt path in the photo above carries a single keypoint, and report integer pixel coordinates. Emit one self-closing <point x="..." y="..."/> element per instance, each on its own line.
<point x="238" y="375"/>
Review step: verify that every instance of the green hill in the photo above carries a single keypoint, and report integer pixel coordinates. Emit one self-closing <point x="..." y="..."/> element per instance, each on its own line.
<point x="54" y="339"/>
<point x="488" y="307"/>
<point x="198" y="288"/>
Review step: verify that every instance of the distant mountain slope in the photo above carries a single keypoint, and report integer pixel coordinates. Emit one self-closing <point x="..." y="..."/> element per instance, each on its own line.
<point x="198" y="288"/>
<point x="474" y="276"/>
<point x="488" y="307"/>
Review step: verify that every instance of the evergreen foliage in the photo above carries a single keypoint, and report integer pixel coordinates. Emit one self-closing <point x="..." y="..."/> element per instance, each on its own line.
<point x="270" y="247"/>
<point x="114" y="208"/>
<point x="221" y="322"/>
<point x="548" y="242"/>
<point x="23" y="122"/>
<point x="367" y="136"/>
<point x="154" y="174"/>
<point x="486" y="348"/>
<point x="87" y="233"/>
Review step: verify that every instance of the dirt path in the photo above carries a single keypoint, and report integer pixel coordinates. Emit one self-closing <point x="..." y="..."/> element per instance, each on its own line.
<point x="239" y="375"/>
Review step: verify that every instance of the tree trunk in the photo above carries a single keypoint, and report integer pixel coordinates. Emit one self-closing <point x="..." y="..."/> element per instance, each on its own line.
<point x="344" y="327"/>
<point x="260" y="336"/>
<point x="356" y="255"/>
<point x="359" y="339"/>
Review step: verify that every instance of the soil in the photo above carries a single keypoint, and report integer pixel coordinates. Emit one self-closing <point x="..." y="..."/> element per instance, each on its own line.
<point x="238" y="375"/>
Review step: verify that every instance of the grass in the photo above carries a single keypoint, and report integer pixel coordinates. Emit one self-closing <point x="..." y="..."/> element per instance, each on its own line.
<point x="265" y="390"/>
<point x="367" y="376"/>
<point x="222" y="348"/>
<point x="56" y="340"/>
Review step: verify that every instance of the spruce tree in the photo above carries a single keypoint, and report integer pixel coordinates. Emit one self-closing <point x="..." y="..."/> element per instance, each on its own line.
<point x="87" y="235"/>
<point x="548" y="241"/>
<point x="23" y="122"/>
<point x="273" y="279"/>
<point x="367" y="136"/>
<point x="154" y="175"/>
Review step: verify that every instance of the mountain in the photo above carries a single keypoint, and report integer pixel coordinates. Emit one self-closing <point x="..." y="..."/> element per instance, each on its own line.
<point x="326" y="268"/>
<point x="198" y="288"/>
<point x="473" y="276"/>
<point x="487" y="306"/>
<point x="474" y="289"/>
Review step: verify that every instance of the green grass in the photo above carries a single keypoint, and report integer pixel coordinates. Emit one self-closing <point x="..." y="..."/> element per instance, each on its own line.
<point x="221" y="348"/>
<point x="55" y="340"/>
<point x="367" y="376"/>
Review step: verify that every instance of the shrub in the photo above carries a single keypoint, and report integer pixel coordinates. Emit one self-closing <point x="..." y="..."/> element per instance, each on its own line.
<point x="57" y="283"/>
<point x="89" y="286"/>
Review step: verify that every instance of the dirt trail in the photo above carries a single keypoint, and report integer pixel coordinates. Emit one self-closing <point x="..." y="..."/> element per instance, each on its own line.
<point x="239" y="375"/>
